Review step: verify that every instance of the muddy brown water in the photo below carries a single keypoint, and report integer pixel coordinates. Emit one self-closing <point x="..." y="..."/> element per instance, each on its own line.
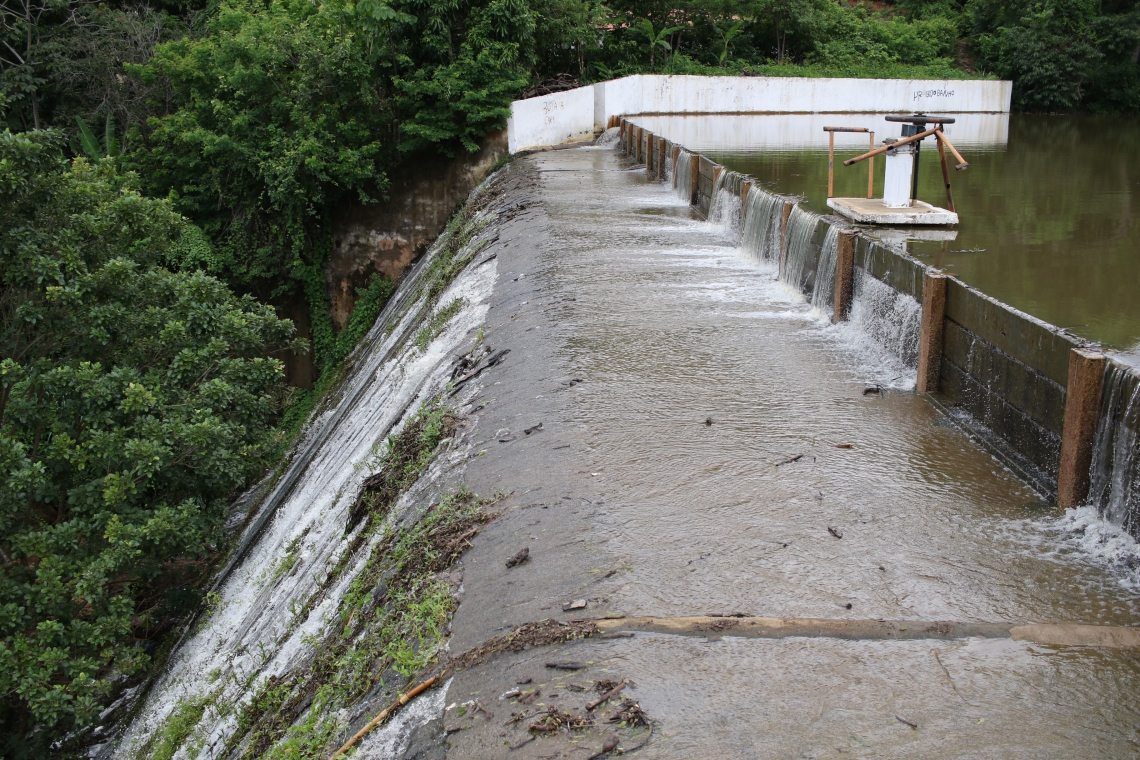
<point x="630" y="499"/>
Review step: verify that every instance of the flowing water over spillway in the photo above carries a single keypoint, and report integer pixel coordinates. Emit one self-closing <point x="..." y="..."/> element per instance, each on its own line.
<point x="674" y="323"/>
<point x="262" y="624"/>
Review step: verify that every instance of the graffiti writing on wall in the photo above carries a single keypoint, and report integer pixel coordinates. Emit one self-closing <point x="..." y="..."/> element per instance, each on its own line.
<point x="919" y="94"/>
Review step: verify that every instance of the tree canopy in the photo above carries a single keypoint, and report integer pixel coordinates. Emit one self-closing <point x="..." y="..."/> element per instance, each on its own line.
<point x="133" y="400"/>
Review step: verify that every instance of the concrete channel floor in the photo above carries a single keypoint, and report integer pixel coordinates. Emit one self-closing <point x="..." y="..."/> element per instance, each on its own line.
<point x="631" y="325"/>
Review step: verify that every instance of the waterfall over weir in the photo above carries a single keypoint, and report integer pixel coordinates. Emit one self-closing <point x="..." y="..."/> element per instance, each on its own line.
<point x="760" y="230"/>
<point x="1115" y="471"/>
<point x="683" y="174"/>
<point x="724" y="208"/>
<point x="823" y="292"/>
<point x="889" y="318"/>
<point x="799" y="262"/>
<point x="281" y="591"/>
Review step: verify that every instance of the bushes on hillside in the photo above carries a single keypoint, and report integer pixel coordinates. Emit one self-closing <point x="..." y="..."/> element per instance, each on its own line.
<point x="133" y="400"/>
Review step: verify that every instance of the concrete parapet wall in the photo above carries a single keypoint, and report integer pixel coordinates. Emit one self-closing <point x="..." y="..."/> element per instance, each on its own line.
<point x="580" y="113"/>
<point x="643" y="94"/>
<point x="554" y="119"/>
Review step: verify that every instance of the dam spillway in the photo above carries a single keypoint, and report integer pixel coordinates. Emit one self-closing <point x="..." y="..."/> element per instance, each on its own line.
<point x="678" y="431"/>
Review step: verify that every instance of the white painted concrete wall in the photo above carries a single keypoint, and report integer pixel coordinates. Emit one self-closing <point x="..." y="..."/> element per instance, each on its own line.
<point x="804" y="131"/>
<point x="560" y="117"/>
<point x="576" y="114"/>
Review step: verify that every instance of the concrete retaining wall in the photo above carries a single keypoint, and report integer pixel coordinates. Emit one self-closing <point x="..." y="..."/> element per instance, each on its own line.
<point x="1001" y="374"/>
<point x="578" y="114"/>
<point x="554" y="119"/>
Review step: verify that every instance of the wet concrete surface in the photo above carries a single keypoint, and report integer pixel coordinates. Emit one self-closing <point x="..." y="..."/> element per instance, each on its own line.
<point x="674" y="380"/>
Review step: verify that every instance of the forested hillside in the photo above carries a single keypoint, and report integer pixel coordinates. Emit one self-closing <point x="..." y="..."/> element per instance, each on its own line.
<point x="168" y="168"/>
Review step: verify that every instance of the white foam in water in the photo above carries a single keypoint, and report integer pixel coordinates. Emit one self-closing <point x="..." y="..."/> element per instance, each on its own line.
<point x="1083" y="530"/>
<point x="883" y="331"/>
<point x="801" y="228"/>
<point x="609" y="138"/>
<point x="1115" y="471"/>
<point x="823" y="293"/>
<point x="724" y="209"/>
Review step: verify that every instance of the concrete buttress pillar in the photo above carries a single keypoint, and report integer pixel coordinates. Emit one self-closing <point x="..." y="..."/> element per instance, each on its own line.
<point x="930" y="335"/>
<point x="1082" y="411"/>
<point x="844" y="275"/>
<point x="694" y="178"/>
<point x="785" y="214"/>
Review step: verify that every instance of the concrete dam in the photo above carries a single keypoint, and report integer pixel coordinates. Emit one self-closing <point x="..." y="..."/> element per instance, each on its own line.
<point x="646" y="457"/>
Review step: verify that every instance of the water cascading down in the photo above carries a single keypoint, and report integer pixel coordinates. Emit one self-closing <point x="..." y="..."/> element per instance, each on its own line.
<point x="798" y="248"/>
<point x="684" y="176"/>
<point x="823" y="292"/>
<point x="760" y="230"/>
<point x="890" y="318"/>
<point x="1115" y="471"/>
<point x="724" y="208"/>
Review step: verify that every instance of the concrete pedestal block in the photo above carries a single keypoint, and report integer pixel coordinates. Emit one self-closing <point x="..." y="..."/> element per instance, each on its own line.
<point x="844" y="275"/>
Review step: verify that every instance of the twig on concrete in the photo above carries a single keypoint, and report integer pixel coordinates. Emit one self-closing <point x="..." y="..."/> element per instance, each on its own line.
<point x="612" y="692"/>
<point x="384" y="714"/>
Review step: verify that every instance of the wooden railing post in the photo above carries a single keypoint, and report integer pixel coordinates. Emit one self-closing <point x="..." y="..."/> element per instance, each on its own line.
<point x="1082" y="411"/>
<point x="930" y="333"/>
<point x="844" y="275"/>
<point x="649" y="156"/>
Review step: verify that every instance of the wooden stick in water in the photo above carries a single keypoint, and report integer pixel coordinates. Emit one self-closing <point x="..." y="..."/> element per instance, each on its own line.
<point x="871" y="171"/>
<point x="831" y="164"/>
<point x="384" y="714"/>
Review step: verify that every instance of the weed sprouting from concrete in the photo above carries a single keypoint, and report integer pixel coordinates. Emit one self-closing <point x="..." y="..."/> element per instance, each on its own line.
<point x="437" y="322"/>
<point x="393" y="619"/>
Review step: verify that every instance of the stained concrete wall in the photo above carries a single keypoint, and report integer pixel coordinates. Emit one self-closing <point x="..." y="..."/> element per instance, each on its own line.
<point x="652" y="94"/>
<point x="580" y="113"/>
<point x="1009" y="371"/>
<point x="553" y="119"/>
<point x="388" y="236"/>
<point x="760" y="132"/>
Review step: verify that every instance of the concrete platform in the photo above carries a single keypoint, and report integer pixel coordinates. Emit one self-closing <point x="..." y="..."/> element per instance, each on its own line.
<point x="872" y="211"/>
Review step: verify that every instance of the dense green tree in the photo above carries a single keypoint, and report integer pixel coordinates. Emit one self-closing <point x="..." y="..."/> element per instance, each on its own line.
<point x="133" y="401"/>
